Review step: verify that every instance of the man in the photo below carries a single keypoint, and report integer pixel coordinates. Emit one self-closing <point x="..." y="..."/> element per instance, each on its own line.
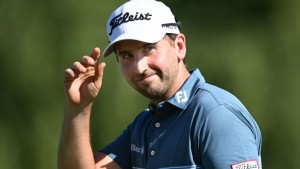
<point x="189" y="123"/>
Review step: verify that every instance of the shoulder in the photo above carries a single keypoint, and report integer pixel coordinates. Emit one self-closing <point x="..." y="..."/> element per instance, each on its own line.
<point x="216" y="110"/>
<point x="220" y="116"/>
<point x="209" y="97"/>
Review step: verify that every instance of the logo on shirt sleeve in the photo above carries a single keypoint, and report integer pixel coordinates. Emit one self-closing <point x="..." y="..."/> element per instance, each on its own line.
<point x="251" y="164"/>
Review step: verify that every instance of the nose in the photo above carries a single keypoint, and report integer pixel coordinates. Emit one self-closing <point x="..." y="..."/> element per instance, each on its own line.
<point x="141" y="63"/>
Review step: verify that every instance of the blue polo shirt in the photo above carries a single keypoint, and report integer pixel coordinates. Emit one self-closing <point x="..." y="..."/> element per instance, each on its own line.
<point x="201" y="126"/>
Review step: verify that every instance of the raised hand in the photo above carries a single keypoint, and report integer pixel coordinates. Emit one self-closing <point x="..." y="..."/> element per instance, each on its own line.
<point x="83" y="80"/>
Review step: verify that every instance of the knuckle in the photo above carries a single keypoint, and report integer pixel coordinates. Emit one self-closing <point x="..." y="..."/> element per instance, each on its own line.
<point x="76" y="65"/>
<point x="67" y="72"/>
<point x="84" y="60"/>
<point x="87" y="60"/>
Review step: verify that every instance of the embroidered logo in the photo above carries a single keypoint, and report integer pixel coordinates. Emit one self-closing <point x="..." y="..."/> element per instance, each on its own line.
<point x="140" y="150"/>
<point x="251" y="164"/>
<point x="181" y="96"/>
<point x="119" y="19"/>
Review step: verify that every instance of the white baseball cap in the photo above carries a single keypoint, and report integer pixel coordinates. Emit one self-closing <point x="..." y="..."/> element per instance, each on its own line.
<point x="142" y="20"/>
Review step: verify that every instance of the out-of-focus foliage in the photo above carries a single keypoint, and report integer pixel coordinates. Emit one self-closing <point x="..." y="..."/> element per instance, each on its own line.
<point x="250" y="48"/>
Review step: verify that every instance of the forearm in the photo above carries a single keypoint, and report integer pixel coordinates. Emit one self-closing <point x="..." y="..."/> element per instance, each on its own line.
<point x="75" y="149"/>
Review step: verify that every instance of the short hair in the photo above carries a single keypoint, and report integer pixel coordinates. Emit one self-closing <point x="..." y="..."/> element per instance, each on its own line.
<point x="171" y="38"/>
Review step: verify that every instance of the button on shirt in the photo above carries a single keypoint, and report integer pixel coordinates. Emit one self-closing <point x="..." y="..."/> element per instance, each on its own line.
<point x="201" y="126"/>
<point x="157" y="124"/>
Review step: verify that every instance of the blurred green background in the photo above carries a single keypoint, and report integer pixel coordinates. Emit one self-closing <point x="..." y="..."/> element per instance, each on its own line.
<point x="250" y="48"/>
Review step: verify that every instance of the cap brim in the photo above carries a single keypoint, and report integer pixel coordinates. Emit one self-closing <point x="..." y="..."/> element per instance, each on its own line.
<point x="136" y="35"/>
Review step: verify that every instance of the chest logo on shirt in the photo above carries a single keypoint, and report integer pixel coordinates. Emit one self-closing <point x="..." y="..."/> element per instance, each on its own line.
<point x="181" y="96"/>
<point x="137" y="149"/>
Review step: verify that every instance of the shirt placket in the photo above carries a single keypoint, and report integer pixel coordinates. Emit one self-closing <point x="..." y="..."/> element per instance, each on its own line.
<point x="155" y="132"/>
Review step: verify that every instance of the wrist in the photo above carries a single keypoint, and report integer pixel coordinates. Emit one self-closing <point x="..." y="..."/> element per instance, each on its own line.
<point x="77" y="109"/>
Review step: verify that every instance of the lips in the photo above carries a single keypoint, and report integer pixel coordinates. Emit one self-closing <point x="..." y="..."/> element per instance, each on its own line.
<point x="146" y="78"/>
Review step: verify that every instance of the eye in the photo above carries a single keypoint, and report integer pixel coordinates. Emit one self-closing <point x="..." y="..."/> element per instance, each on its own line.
<point x="149" y="48"/>
<point x="125" y="56"/>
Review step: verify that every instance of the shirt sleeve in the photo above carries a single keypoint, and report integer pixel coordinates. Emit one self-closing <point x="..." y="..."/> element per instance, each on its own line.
<point x="226" y="138"/>
<point x="119" y="150"/>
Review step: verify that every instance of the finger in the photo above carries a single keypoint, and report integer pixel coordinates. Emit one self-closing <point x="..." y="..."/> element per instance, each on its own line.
<point x="69" y="74"/>
<point x="87" y="61"/>
<point x="78" y="67"/>
<point x="99" y="75"/>
<point x="96" y="54"/>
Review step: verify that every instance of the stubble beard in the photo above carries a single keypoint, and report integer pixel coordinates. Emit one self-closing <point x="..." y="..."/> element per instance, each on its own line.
<point x="160" y="89"/>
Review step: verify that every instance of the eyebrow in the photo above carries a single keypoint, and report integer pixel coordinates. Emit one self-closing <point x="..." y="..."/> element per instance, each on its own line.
<point x="147" y="44"/>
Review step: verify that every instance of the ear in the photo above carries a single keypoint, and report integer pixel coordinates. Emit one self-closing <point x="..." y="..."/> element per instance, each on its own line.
<point x="180" y="46"/>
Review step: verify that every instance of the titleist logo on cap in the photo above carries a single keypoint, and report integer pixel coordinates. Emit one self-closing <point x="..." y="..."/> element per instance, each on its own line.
<point x="119" y="19"/>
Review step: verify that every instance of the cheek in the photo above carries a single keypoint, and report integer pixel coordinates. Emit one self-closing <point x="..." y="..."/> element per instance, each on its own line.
<point x="164" y="58"/>
<point x="159" y="59"/>
<point x="127" y="71"/>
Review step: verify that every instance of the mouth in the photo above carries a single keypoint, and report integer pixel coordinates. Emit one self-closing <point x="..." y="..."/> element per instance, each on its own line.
<point x="146" y="79"/>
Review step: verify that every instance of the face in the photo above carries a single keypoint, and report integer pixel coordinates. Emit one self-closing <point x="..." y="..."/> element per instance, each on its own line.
<point x="151" y="69"/>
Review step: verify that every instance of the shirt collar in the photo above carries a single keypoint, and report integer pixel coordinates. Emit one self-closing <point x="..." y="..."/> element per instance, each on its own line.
<point x="183" y="96"/>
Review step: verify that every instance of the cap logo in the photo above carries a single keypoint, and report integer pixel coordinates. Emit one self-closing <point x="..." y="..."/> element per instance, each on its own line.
<point x="119" y="19"/>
